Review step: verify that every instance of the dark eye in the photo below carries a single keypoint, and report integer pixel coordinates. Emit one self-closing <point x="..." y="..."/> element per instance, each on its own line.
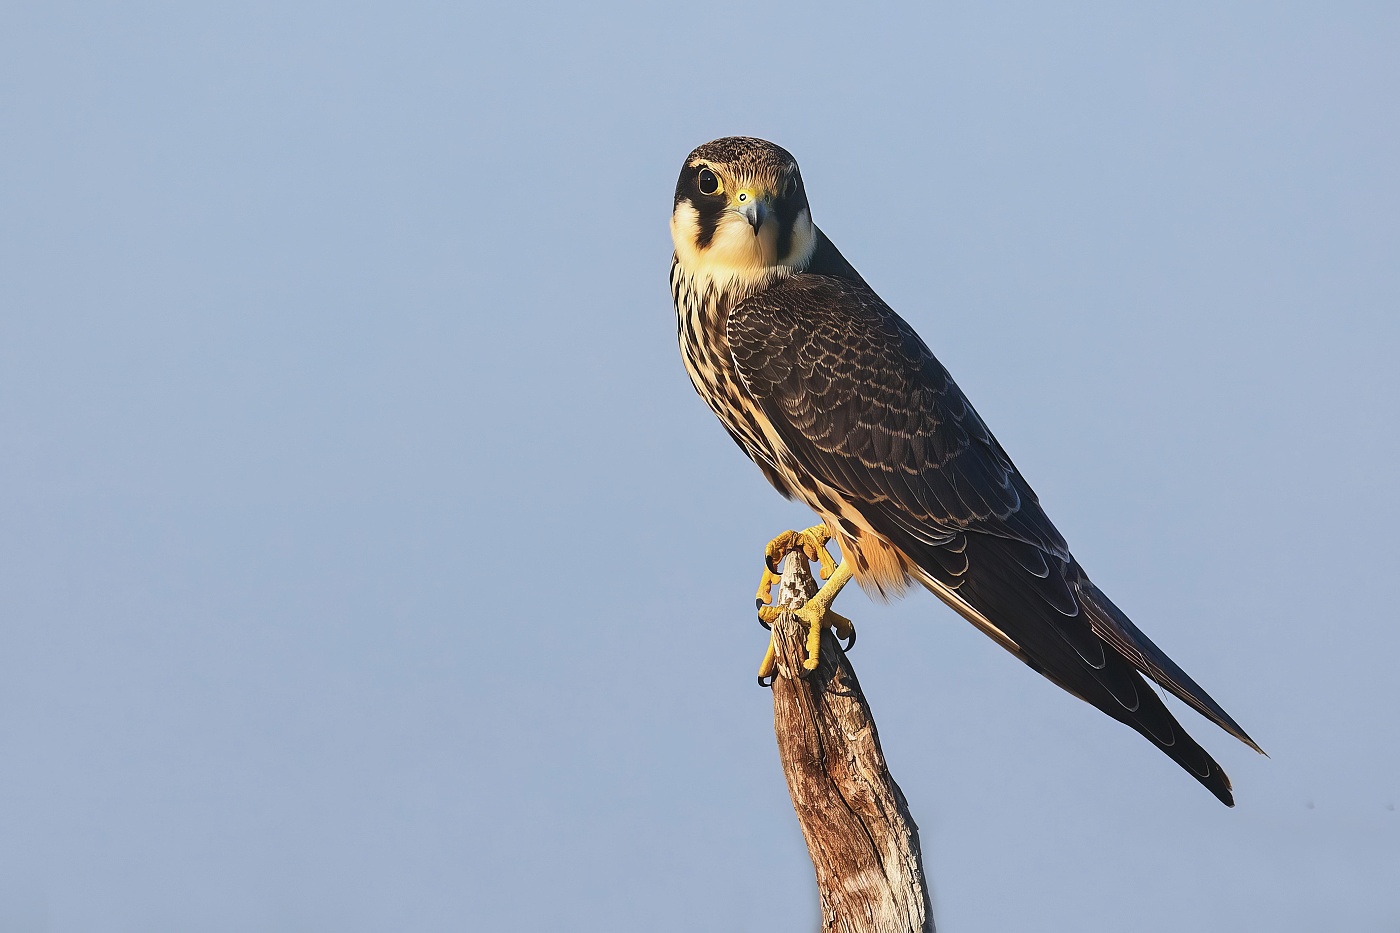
<point x="708" y="181"/>
<point x="790" y="186"/>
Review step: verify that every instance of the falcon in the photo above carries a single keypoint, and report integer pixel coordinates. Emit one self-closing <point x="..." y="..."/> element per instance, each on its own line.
<point x="843" y="407"/>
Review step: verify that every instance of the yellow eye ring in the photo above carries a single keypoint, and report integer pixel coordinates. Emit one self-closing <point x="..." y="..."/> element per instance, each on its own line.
<point x="708" y="182"/>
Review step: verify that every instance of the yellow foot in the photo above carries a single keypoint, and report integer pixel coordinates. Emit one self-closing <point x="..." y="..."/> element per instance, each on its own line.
<point x="811" y="542"/>
<point x="817" y="612"/>
<point x="818" y="617"/>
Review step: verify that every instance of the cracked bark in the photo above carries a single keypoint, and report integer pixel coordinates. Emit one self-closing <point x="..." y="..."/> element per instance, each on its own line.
<point x="863" y="842"/>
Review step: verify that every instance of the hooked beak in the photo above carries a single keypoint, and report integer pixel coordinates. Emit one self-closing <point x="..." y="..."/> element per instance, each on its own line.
<point x="755" y="212"/>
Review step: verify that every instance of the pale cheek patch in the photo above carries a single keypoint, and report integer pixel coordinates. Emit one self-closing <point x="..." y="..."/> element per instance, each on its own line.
<point x="735" y="256"/>
<point x="685" y="230"/>
<point x="804" y="241"/>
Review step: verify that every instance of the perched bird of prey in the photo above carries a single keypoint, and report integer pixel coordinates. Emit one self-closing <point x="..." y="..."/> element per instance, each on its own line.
<point x="843" y="407"/>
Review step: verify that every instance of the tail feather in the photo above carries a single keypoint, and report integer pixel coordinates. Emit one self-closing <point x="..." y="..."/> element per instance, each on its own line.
<point x="1113" y="626"/>
<point x="1155" y="723"/>
<point x="1092" y="651"/>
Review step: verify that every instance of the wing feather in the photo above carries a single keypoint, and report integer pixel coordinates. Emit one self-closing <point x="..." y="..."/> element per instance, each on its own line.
<point x="860" y="403"/>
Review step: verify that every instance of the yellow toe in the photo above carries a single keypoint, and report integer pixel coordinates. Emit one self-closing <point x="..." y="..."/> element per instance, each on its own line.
<point x="814" y="541"/>
<point x="765" y="587"/>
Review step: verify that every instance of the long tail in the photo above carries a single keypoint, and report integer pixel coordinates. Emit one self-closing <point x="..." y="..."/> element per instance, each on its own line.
<point x="1113" y="625"/>
<point x="1047" y="613"/>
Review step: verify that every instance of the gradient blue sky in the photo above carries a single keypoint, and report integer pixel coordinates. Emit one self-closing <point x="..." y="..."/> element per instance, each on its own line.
<point x="367" y="562"/>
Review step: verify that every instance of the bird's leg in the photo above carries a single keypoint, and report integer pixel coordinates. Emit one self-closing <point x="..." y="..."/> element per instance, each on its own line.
<point x="817" y="613"/>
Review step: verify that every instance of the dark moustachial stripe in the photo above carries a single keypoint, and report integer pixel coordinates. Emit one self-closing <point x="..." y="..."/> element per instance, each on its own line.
<point x="786" y="209"/>
<point x="710" y="207"/>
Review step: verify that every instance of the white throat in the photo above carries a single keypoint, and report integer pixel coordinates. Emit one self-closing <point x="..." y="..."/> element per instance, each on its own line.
<point x="738" y="259"/>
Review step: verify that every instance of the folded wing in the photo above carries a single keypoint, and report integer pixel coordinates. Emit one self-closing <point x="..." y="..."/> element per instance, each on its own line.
<point x="861" y="404"/>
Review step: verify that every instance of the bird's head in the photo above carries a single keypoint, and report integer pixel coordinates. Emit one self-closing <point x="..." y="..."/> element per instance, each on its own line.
<point x="741" y="217"/>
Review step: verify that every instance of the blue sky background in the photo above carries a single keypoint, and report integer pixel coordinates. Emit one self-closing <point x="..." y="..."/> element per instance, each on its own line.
<point x="367" y="562"/>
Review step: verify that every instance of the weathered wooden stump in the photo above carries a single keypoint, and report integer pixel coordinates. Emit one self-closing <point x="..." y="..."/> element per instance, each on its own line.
<point x="863" y="842"/>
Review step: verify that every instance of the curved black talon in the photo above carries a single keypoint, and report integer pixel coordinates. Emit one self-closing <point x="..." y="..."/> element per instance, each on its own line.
<point x="767" y="625"/>
<point x="846" y="648"/>
<point x="769" y="683"/>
